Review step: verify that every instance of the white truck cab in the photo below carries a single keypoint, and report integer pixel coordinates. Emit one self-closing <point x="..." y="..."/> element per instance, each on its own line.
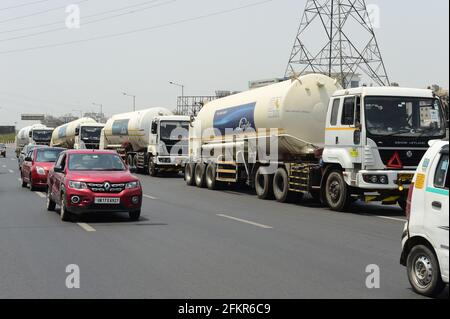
<point x="376" y="136"/>
<point x="425" y="238"/>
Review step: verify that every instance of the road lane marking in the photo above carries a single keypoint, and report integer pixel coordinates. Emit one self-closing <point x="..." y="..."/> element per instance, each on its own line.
<point x="11" y="171"/>
<point x="245" y="221"/>
<point x="86" y="227"/>
<point x="149" y="197"/>
<point x="40" y="194"/>
<point x="392" y="218"/>
<point x="4" y="166"/>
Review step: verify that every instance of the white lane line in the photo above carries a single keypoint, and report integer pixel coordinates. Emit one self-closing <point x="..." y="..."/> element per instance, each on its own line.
<point x="86" y="227"/>
<point x="4" y="166"/>
<point x="11" y="171"/>
<point x="149" y="197"/>
<point x="13" y="159"/>
<point x="392" y="218"/>
<point x="245" y="221"/>
<point x="40" y="194"/>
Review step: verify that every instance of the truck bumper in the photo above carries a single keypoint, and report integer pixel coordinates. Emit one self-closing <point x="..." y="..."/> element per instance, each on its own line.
<point x="177" y="161"/>
<point x="396" y="180"/>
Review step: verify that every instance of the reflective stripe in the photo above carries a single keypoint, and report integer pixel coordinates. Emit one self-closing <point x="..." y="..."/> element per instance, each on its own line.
<point x="437" y="191"/>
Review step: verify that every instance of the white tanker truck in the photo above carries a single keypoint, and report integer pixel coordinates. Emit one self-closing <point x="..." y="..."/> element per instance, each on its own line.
<point x="83" y="133"/>
<point x="307" y="135"/>
<point x="35" y="134"/>
<point x="151" y="141"/>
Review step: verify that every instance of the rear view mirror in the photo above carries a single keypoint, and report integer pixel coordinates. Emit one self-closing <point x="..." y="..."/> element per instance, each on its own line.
<point x="58" y="169"/>
<point x="77" y="131"/>
<point x="154" y="127"/>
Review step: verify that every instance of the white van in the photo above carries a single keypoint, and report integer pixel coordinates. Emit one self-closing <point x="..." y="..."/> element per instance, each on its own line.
<point x="425" y="238"/>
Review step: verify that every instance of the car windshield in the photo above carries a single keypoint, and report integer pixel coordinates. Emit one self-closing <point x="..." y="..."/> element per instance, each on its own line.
<point x="404" y="116"/>
<point x="174" y="130"/>
<point x="95" y="162"/>
<point x="44" y="135"/>
<point x="47" y="155"/>
<point x="91" y="133"/>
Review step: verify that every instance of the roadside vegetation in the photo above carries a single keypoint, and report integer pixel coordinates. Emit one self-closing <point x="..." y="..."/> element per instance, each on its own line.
<point x="7" y="138"/>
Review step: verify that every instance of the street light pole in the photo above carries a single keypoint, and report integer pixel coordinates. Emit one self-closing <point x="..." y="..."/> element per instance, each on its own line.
<point x="179" y="85"/>
<point x="134" y="99"/>
<point x="101" y="107"/>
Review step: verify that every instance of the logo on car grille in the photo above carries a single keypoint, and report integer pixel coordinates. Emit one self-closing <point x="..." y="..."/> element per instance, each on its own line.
<point x="107" y="186"/>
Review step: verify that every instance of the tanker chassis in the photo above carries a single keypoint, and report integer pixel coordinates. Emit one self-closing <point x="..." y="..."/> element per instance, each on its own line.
<point x="151" y="141"/>
<point x="286" y="142"/>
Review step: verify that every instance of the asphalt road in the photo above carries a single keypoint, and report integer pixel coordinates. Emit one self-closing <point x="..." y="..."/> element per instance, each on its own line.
<point x="196" y="243"/>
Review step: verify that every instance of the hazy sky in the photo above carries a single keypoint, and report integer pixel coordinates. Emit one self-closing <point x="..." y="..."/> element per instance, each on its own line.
<point x="220" y="52"/>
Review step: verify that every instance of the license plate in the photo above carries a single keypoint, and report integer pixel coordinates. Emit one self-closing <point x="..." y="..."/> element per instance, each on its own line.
<point x="107" y="200"/>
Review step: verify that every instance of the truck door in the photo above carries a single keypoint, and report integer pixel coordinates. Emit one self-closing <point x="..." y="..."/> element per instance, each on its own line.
<point x="436" y="220"/>
<point x="349" y="127"/>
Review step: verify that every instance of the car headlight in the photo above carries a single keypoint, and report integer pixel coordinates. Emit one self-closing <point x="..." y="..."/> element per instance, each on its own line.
<point x="77" y="185"/>
<point x="132" y="185"/>
<point x="40" y="170"/>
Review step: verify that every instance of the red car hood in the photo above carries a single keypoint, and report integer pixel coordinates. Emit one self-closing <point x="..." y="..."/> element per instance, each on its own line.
<point x="101" y="177"/>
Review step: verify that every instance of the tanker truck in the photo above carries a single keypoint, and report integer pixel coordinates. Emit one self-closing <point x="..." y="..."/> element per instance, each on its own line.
<point x="35" y="134"/>
<point x="83" y="133"/>
<point x="151" y="141"/>
<point x="308" y="136"/>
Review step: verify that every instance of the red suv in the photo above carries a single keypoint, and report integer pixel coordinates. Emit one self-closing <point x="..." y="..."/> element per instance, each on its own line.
<point x="36" y="166"/>
<point x="84" y="181"/>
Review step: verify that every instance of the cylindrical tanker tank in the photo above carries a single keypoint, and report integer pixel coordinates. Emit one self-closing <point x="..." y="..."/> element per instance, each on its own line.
<point x="296" y="109"/>
<point x="64" y="135"/>
<point x="131" y="128"/>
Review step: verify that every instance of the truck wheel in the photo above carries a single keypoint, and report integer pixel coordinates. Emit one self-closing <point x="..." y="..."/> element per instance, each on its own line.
<point x="64" y="213"/>
<point x="152" y="169"/>
<point x="281" y="186"/>
<point x="189" y="170"/>
<point x="337" y="192"/>
<point x="210" y="176"/>
<point x="200" y="175"/>
<point x="263" y="184"/>
<point x="130" y="161"/>
<point x="51" y="205"/>
<point x="423" y="272"/>
<point x="135" y="215"/>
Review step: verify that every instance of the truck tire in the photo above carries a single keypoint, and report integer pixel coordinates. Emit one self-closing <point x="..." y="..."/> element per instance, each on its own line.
<point x="135" y="215"/>
<point x="337" y="193"/>
<point x="424" y="273"/>
<point x="130" y="161"/>
<point x="152" y="168"/>
<point x="189" y="170"/>
<point x="200" y="175"/>
<point x="65" y="215"/>
<point x="263" y="184"/>
<point x="210" y="176"/>
<point x="281" y="186"/>
<point x="51" y="205"/>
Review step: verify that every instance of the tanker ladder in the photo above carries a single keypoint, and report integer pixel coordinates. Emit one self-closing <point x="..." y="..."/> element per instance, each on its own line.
<point x="226" y="171"/>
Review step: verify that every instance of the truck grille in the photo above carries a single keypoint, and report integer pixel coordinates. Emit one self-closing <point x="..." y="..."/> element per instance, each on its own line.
<point x="408" y="158"/>
<point x="106" y="187"/>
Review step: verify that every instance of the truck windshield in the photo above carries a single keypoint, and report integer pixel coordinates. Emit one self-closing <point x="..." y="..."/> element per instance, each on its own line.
<point x="175" y="131"/>
<point x="42" y="135"/>
<point x="404" y="116"/>
<point x="95" y="162"/>
<point x="91" y="133"/>
<point x="47" y="155"/>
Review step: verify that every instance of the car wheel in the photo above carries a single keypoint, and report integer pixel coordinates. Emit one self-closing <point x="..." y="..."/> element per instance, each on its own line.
<point x="24" y="184"/>
<point x="135" y="215"/>
<point x="32" y="188"/>
<point x="337" y="192"/>
<point x="423" y="272"/>
<point x="51" y="205"/>
<point x="64" y="213"/>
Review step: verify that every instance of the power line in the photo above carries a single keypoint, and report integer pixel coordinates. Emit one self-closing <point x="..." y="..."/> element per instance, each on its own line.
<point x="160" y="26"/>
<point x="23" y="5"/>
<point x="91" y="22"/>
<point x="84" y="17"/>
<point x="39" y="12"/>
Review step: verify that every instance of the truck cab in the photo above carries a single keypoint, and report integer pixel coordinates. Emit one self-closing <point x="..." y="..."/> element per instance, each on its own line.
<point x="168" y="143"/>
<point x="375" y="138"/>
<point x="41" y="136"/>
<point x="87" y="136"/>
<point x="425" y="239"/>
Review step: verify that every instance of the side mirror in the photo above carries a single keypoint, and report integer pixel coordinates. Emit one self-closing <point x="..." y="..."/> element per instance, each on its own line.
<point x="154" y="127"/>
<point x="77" y="131"/>
<point x="28" y="159"/>
<point x="30" y="134"/>
<point x="58" y="169"/>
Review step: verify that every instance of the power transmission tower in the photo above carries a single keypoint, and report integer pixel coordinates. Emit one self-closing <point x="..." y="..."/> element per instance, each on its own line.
<point x="349" y="48"/>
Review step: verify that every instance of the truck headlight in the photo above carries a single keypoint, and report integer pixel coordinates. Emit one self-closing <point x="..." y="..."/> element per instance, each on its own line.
<point x="132" y="185"/>
<point x="77" y="185"/>
<point x="40" y="170"/>
<point x="376" y="179"/>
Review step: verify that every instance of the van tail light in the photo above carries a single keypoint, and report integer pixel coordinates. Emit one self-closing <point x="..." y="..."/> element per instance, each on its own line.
<point x="409" y="200"/>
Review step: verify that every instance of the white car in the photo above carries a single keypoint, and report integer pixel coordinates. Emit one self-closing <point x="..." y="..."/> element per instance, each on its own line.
<point x="425" y="238"/>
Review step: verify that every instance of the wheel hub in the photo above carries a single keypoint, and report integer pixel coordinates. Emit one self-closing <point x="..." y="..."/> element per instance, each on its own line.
<point x="335" y="190"/>
<point x="423" y="271"/>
